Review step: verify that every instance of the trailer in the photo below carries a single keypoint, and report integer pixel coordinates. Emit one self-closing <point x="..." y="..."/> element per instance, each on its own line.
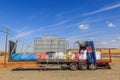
<point x="90" y="63"/>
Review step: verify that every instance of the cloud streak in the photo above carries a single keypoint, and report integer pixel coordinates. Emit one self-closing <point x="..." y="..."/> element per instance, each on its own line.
<point x="104" y="43"/>
<point x="23" y="34"/>
<point x="102" y="9"/>
<point x="78" y="37"/>
<point x="73" y="39"/>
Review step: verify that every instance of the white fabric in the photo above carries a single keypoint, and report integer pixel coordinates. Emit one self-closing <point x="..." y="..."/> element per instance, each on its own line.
<point x="98" y="55"/>
<point x="84" y="55"/>
<point x="59" y="55"/>
<point x="73" y="56"/>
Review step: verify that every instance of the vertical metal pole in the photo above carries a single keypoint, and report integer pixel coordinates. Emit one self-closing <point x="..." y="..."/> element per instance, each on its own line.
<point x="101" y="53"/>
<point x="21" y="48"/>
<point x="68" y="44"/>
<point x="58" y="46"/>
<point x="6" y="47"/>
<point x="110" y="55"/>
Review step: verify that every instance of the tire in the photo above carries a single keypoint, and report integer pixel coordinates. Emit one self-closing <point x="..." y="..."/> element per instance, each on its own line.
<point x="73" y="66"/>
<point x="92" y="66"/>
<point x="83" y="66"/>
<point x="64" y="66"/>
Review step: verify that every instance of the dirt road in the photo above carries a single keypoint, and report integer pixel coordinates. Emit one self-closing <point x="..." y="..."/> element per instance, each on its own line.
<point x="100" y="74"/>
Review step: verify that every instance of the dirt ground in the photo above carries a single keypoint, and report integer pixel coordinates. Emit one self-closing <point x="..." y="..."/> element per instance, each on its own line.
<point x="6" y="73"/>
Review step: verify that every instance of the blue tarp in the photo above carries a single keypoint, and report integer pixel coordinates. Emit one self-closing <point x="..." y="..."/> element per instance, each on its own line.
<point x="17" y="56"/>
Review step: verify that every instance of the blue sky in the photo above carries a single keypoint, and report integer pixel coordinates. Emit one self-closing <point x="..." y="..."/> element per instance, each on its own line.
<point x="97" y="20"/>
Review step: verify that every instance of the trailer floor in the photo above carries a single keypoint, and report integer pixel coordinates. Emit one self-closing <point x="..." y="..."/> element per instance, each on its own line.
<point x="99" y="74"/>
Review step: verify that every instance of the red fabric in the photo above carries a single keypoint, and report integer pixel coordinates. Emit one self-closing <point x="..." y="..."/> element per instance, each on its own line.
<point x="38" y="55"/>
<point x="89" y="49"/>
<point x="41" y="56"/>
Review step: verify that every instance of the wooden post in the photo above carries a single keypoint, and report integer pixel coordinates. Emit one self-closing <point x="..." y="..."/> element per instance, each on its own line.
<point x="5" y="56"/>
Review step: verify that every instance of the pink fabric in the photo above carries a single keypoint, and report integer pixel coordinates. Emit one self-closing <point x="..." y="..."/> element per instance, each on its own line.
<point x="76" y="56"/>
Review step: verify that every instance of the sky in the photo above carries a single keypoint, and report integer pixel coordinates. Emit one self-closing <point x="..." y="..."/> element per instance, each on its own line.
<point x="75" y="20"/>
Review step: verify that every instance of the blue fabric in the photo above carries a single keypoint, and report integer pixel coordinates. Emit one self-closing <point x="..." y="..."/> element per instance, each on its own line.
<point x="91" y="56"/>
<point x="16" y="56"/>
<point x="26" y="56"/>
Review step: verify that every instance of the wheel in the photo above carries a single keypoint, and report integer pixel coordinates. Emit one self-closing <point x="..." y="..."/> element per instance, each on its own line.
<point x="73" y="66"/>
<point x="92" y="66"/>
<point x="83" y="66"/>
<point x="107" y="66"/>
<point x="64" y="66"/>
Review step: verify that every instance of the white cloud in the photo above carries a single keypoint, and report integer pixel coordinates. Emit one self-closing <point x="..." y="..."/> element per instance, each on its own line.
<point x="110" y="24"/>
<point x="83" y="26"/>
<point x="102" y="9"/>
<point x="104" y="43"/>
<point x="91" y="38"/>
<point x="118" y="37"/>
<point x="107" y="44"/>
<point x="23" y="34"/>
<point x="113" y="41"/>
